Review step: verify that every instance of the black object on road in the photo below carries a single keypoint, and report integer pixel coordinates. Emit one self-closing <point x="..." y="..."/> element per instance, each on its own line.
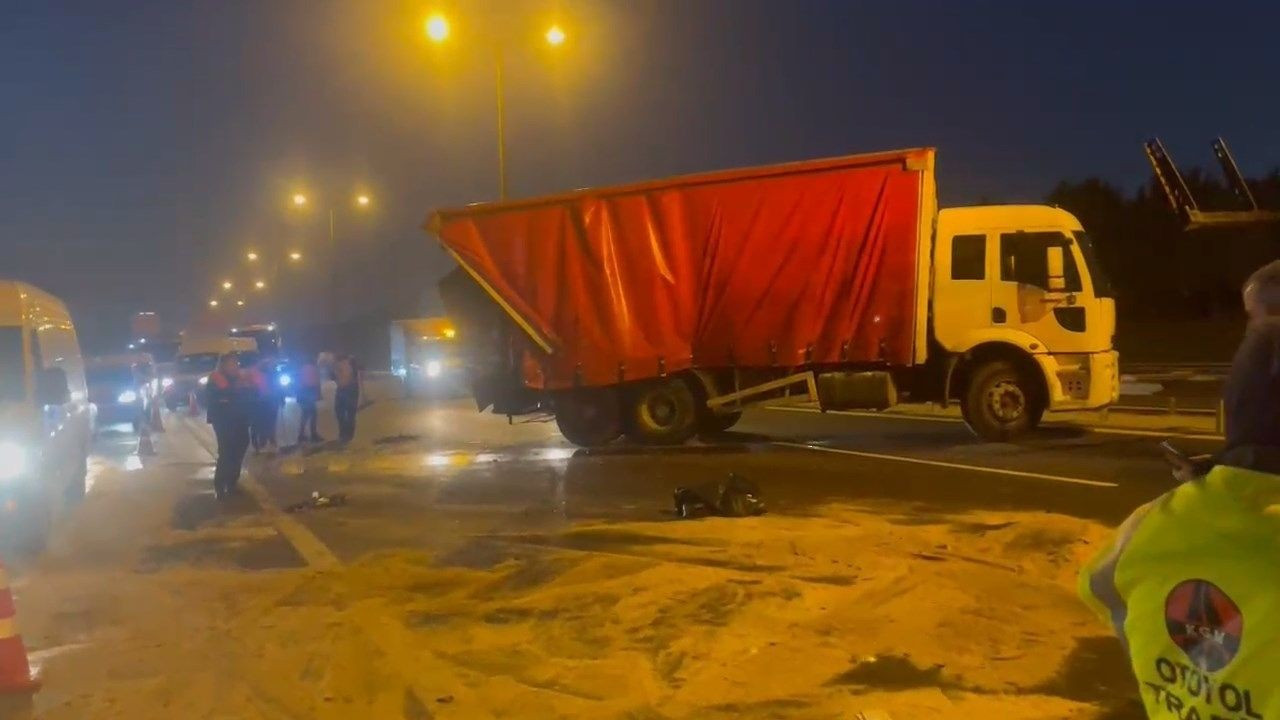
<point x="732" y="497"/>
<point x="318" y="501"/>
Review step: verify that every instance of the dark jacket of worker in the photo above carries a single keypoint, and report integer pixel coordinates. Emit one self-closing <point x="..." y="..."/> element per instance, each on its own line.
<point x="1251" y="400"/>
<point x="229" y="399"/>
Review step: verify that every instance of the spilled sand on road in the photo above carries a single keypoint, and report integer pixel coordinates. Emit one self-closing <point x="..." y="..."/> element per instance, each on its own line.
<point x="849" y="610"/>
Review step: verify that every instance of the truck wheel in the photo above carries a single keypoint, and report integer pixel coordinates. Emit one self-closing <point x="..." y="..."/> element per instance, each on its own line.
<point x="711" y="424"/>
<point x="1000" y="402"/>
<point x="588" y="418"/>
<point x="663" y="412"/>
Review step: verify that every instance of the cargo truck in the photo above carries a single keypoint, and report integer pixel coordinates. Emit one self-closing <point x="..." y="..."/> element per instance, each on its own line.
<point x="660" y="310"/>
<point x="425" y="356"/>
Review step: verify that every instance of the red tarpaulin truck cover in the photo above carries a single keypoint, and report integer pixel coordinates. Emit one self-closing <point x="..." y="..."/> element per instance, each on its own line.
<point x="781" y="266"/>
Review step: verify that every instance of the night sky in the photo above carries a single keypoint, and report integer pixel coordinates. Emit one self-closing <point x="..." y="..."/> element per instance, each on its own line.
<point x="147" y="144"/>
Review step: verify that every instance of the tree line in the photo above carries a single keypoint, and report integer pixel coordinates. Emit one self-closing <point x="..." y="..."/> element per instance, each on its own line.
<point x="1161" y="271"/>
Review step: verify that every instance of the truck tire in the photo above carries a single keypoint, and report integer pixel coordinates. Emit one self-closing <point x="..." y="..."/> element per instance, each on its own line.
<point x="588" y="418"/>
<point x="711" y="424"/>
<point x="662" y="412"/>
<point x="1000" y="402"/>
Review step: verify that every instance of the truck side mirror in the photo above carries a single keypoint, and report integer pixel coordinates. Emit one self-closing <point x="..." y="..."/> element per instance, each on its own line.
<point x="52" y="387"/>
<point x="1056" y="262"/>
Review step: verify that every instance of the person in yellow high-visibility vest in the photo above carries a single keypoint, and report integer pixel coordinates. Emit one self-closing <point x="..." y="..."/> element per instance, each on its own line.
<point x="1191" y="583"/>
<point x="1192" y="587"/>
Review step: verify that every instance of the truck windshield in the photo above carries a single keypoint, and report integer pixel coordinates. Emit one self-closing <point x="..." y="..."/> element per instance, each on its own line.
<point x="12" y="386"/>
<point x="1101" y="283"/>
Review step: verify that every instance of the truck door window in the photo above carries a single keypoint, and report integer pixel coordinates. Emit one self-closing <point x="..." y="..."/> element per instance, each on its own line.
<point x="969" y="257"/>
<point x="1024" y="259"/>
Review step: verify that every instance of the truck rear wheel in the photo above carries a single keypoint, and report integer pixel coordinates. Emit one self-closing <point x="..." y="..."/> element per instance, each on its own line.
<point x="662" y="412"/>
<point x="1000" y="402"/>
<point x="588" y="418"/>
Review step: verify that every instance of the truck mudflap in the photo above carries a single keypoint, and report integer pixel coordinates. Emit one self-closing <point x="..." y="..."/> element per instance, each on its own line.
<point x="492" y="347"/>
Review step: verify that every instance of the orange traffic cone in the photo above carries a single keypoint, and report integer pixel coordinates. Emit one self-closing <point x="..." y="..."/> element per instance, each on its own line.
<point x="16" y="677"/>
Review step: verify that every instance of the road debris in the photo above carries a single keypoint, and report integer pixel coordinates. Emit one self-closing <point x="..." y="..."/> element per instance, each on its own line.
<point x="733" y="497"/>
<point x="318" y="502"/>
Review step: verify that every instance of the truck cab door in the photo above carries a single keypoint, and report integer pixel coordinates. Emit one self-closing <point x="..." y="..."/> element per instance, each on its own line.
<point x="1026" y="296"/>
<point x="964" y="267"/>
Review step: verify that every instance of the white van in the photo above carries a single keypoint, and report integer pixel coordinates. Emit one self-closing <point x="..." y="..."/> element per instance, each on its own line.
<point x="46" y="422"/>
<point x="197" y="357"/>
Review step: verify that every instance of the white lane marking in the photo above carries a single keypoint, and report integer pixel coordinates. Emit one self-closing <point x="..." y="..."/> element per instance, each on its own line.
<point x="865" y="413"/>
<point x="309" y="547"/>
<point x="951" y="465"/>
<point x="939" y="418"/>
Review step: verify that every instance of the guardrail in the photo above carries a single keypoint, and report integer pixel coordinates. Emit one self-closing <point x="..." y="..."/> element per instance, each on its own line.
<point x="1171" y="408"/>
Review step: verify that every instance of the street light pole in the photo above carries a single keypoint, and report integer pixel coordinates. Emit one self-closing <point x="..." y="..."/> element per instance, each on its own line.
<point x="437" y="29"/>
<point x="502" y="123"/>
<point x="333" y="271"/>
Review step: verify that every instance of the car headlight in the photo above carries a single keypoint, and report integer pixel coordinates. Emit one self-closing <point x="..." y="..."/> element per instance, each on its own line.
<point x="285" y="380"/>
<point x="434" y="368"/>
<point x="204" y="380"/>
<point x="166" y="383"/>
<point x="13" y="460"/>
<point x="126" y="397"/>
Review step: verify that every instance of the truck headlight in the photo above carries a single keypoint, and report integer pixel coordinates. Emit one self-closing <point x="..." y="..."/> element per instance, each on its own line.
<point x="13" y="460"/>
<point x="127" y="397"/>
<point x="434" y="368"/>
<point x="285" y="380"/>
<point x="204" y="380"/>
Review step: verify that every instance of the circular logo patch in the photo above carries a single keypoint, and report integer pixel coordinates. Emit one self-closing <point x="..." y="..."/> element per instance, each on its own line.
<point x="1205" y="623"/>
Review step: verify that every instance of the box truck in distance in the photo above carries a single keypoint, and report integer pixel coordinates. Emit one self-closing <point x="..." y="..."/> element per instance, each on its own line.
<point x="660" y="310"/>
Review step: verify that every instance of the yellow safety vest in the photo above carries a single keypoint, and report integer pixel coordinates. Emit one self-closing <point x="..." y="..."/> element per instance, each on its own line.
<point x="1191" y="584"/>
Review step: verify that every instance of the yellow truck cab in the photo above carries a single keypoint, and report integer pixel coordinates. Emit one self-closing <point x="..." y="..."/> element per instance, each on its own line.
<point x="1025" y="313"/>
<point x="46" y="423"/>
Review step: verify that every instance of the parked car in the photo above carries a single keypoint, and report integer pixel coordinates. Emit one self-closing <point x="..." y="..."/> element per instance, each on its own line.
<point x="122" y="388"/>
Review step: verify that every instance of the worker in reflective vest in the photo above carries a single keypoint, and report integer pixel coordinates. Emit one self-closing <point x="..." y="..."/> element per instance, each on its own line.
<point x="230" y="399"/>
<point x="1190" y="585"/>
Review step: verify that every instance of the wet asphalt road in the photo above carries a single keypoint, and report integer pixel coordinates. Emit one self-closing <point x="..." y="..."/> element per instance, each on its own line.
<point x="431" y="474"/>
<point x="476" y="491"/>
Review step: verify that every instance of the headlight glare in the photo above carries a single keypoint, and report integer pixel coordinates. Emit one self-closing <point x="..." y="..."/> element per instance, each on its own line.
<point x="13" y="460"/>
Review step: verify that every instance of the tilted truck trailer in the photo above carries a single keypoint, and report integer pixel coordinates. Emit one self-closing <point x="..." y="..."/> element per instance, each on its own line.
<point x="660" y="310"/>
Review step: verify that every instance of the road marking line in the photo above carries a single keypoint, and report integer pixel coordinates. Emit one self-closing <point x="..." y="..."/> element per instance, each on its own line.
<point x="312" y="550"/>
<point x="954" y="466"/>
<point x="934" y="418"/>
<point x="865" y="413"/>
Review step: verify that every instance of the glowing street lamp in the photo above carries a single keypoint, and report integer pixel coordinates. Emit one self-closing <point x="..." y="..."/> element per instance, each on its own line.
<point x="362" y="200"/>
<point x="226" y="284"/>
<point x="260" y="284"/>
<point x="239" y="303"/>
<point x="251" y="256"/>
<point x="213" y="303"/>
<point x="299" y="199"/>
<point x="437" y="27"/>
<point x="295" y="256"/>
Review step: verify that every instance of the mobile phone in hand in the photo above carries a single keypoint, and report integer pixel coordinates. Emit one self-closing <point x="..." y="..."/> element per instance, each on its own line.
<point x="1173" y="454"/>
